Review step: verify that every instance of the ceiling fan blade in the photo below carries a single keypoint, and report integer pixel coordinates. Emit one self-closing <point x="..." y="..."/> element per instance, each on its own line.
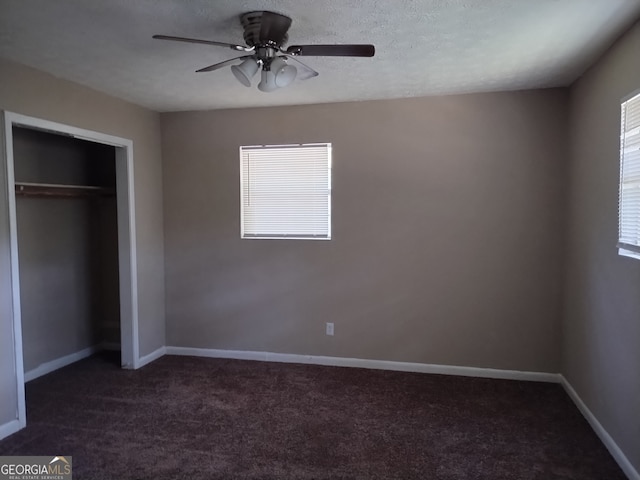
<point x="332" y="50"/>
<point x="217" y="66"/>
<point x="307" y="72"/>
<point x="239" y="48"/>
<point x="274" y="27"/>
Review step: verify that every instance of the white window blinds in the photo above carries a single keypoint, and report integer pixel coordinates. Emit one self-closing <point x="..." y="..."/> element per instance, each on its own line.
<point x="286" y="191"/>
<point x="629" y="200"/>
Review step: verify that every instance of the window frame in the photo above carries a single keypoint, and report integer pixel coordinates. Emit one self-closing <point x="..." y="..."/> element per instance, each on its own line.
<point x="624" y="249"/>
<point x="287" y="236"/>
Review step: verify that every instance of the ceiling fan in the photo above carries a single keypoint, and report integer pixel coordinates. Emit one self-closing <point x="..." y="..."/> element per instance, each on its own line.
<point x="265" y="34"/>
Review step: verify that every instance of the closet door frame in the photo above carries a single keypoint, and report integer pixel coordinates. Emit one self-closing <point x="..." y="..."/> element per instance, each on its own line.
<point x="126" y="240"/>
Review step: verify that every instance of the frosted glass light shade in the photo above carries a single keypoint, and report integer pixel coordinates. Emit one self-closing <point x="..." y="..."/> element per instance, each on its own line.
<point x="285" y="73"/>
<point x="245" y="71"/>
<point x="267" y="81"/>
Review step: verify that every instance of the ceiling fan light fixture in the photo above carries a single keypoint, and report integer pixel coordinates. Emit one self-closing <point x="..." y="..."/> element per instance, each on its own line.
<point x="285" y="73"/>
<point x="245" y="71"/>
<point x="267" y="81"/>
<point x="265" y="34"/>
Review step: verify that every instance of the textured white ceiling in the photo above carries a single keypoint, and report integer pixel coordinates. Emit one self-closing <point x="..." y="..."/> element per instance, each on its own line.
<point x="423" y="47"/>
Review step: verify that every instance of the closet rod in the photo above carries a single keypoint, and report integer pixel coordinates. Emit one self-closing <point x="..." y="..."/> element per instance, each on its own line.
<point x="59" y="190"/>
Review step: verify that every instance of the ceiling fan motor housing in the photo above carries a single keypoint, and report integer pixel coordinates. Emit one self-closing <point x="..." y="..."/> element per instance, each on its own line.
<point x="252" y="25"/>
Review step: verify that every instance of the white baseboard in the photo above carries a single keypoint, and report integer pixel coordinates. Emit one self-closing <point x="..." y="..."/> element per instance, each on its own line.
<point x="156" y="354"/>
<point x="9" y="428"/>
<point x="49" y="367"/>
<point x="604" y="436"/>
<point x="364" y="363"/>
<point x="53" y="365"/>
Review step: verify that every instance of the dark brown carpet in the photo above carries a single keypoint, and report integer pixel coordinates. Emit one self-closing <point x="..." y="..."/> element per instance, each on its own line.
<point x="196" y="418"/>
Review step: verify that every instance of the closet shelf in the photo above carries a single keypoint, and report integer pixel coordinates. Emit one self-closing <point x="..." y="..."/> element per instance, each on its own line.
<point x="58" y="190"/>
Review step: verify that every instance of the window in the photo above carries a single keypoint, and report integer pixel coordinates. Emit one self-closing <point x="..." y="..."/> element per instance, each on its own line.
<point x="629" y="200"/>
<point x="286" y="191"/>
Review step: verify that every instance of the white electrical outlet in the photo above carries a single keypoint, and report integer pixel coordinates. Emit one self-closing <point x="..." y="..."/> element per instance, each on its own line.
<point x="329" y="328"/>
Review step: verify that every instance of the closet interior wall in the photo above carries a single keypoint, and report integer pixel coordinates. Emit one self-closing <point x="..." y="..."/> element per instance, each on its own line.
<point x="67" y="245"/>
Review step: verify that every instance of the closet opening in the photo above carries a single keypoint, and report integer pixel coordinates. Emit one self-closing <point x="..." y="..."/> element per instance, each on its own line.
<point x="67" y="226"/>
<point x="72" y="231"/>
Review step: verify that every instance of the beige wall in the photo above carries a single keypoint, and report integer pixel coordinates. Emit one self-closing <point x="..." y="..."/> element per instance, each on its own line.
<point x="447" y="233"/>
<point x="30" y="92"/>
<point x="601" y="347"/>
